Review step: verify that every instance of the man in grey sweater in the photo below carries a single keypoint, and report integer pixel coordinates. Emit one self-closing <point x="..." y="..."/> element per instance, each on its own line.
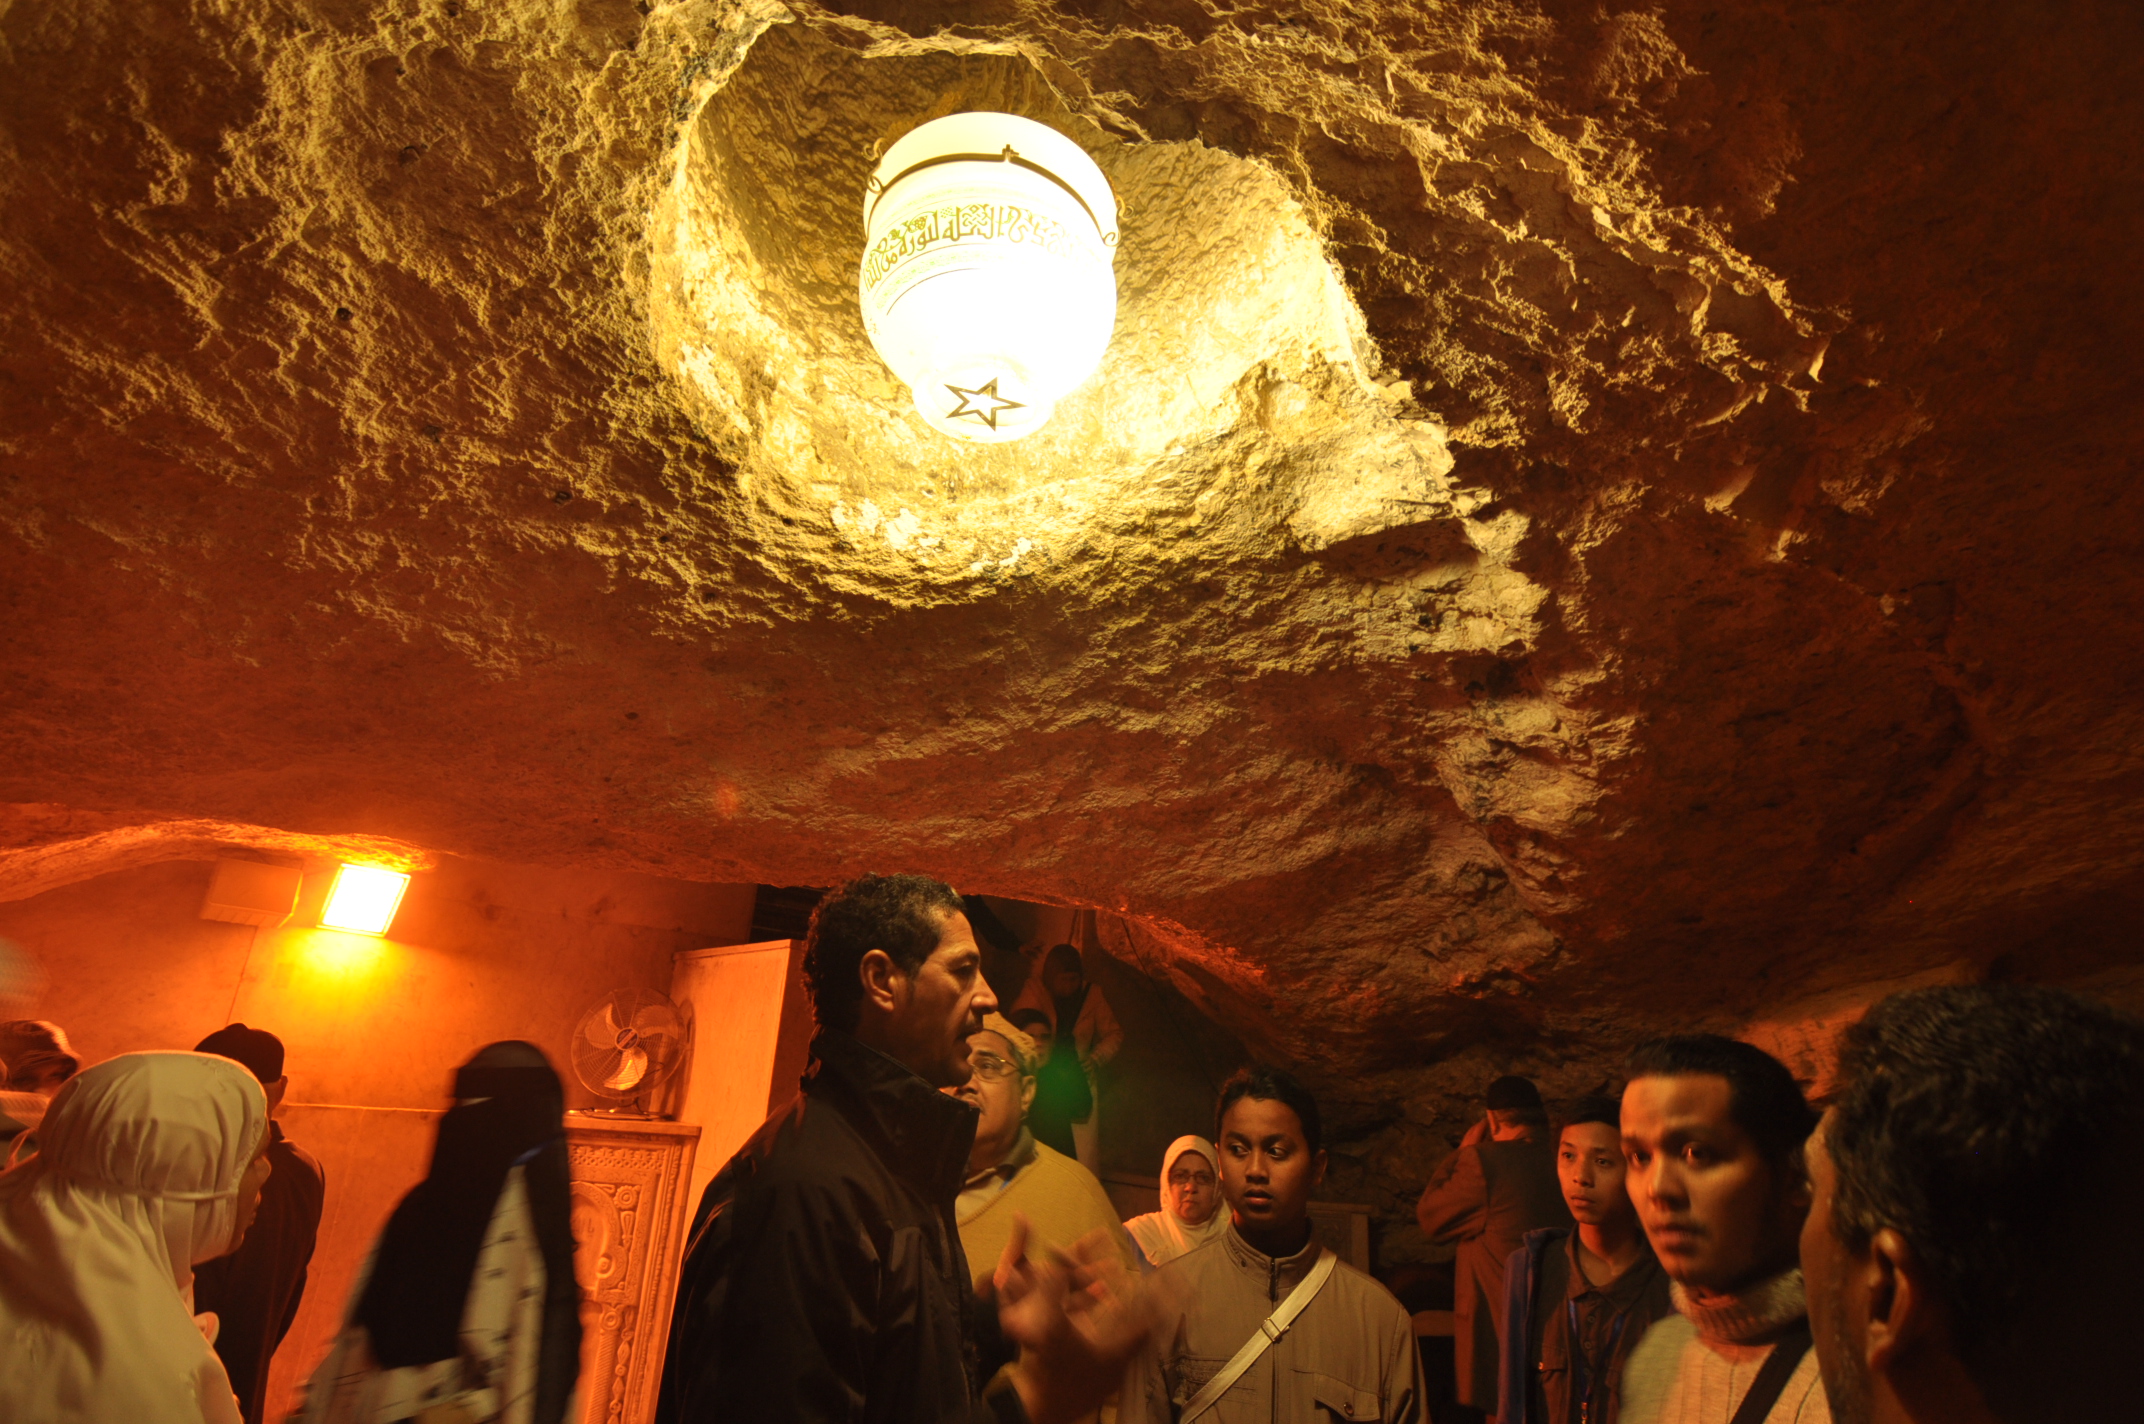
<point x="1713" y="1131"/>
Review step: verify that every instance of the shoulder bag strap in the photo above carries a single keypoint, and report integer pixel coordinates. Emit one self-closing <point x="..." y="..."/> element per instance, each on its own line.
<point x="1270" y="1329"/>
<point x="1772" y="1376"/>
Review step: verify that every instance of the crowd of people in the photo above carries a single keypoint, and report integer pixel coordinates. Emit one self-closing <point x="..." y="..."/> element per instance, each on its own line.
<point x="141" y="1192"/>
<point x="902" y="1244"/>
<point x="157" y="1227"/>
<point x="907" y="1242"/>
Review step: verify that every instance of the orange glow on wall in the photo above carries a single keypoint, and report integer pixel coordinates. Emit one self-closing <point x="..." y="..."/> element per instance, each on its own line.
<point x="333" y="963"/>
<point x="364" y="899"/>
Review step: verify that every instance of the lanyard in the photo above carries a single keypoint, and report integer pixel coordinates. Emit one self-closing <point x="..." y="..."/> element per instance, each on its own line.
<point x="1582" y="1377"/>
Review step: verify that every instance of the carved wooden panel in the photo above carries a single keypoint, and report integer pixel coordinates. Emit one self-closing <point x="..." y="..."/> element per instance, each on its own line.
<point x="629" y="1209"/>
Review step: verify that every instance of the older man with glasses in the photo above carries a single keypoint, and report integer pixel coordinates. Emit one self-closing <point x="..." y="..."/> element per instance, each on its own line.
<point x="1010" y="1173"/>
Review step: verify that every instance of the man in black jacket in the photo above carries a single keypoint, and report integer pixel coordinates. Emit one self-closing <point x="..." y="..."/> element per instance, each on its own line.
<point x="824" y="1279"/>
<point x="254" y="1291"/>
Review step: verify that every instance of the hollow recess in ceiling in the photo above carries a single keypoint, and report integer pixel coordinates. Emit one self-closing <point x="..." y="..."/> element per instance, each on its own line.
<point x="1240" y="371"/>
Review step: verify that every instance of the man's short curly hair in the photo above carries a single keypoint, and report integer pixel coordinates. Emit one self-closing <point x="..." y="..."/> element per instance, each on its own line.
<point x="901" y="914"/>
<point x="1996" y="1128"/>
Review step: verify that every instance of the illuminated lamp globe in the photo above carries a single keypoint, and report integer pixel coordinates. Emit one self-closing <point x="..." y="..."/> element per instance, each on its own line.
<point x="988" y="280"/>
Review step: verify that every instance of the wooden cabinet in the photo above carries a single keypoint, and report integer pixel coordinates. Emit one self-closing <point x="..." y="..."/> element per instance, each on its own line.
<point x="630" y="1178"/>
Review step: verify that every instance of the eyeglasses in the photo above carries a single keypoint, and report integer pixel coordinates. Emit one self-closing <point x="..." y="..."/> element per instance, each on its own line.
<point x="993" y="1069"/>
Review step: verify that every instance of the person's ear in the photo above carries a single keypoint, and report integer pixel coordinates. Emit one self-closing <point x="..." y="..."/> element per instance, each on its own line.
<point x="882" y="979"/>
<point x="276" y="1090"/>
<point x="1027" y="1093"/>
<point x="1317" y="1169"/>
<point x="1902" y="1311"/>
<point x="1793" y="1193"/>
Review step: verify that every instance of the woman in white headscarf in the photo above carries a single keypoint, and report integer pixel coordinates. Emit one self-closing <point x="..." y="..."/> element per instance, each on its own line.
<point x="147" y="1164"/>
<point x="1191" y="1212"/>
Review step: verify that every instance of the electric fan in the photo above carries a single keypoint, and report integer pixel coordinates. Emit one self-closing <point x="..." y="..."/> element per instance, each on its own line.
<point x="627" y="1047"/>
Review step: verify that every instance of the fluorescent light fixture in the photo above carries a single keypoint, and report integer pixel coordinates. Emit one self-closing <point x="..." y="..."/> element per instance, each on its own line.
<point x="364" y="899"/>
<point x="988" y="280"/>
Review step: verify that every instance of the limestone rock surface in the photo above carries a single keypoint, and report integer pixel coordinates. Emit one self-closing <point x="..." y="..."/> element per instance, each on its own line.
<point x="1597" y="518"/>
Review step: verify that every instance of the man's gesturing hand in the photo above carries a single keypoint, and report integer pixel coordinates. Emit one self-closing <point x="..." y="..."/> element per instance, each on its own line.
<point x="1077" y="1319"/>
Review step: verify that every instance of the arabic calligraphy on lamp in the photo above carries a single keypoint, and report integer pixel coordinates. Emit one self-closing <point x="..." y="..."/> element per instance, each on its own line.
<point x="364" y="899"/>
<point x="988" y="280"/>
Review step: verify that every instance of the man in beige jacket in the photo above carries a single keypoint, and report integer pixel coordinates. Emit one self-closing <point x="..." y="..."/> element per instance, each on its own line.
<point x="1713" y="1131"/>
<point x="1011" y="1175"/>
<point x="1348" y="1355"/>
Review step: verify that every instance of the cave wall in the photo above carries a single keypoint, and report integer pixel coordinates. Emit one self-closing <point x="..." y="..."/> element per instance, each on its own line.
<point x="373" y="1027"/>
<point x="1689" y="574"/>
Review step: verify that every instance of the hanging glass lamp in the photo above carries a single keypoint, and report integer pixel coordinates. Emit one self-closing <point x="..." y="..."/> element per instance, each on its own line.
<point x="988" y="280"/>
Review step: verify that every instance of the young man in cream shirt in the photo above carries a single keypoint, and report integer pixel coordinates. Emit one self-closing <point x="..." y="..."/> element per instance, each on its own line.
<point x="1713" y="1131"/>
<point x="1346" y="1349"/>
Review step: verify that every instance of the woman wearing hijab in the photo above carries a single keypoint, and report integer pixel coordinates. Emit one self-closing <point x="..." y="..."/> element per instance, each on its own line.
<point x="1191" y="1213"/>
<point x="468" y="1311"/>
<point x="148" y="1163"/>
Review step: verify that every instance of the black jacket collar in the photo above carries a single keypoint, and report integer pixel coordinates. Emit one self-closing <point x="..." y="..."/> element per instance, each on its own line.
<point x="923" y="1135"/>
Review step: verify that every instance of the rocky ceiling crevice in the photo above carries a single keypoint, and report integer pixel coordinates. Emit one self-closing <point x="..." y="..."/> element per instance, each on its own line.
<point x="1701" y="581"/>
<point x="1238" y="399"/>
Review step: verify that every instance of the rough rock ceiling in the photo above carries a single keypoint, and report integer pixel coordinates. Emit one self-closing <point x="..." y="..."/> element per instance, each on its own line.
<point x="1599" y="517"/>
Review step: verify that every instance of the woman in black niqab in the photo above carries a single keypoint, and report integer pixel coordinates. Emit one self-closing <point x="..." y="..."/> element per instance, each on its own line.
<point x="508" y="1112"/>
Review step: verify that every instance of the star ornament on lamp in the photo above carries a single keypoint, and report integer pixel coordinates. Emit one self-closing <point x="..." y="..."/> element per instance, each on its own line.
<point x="988" y="280"/>
<point x="984" y="405"/>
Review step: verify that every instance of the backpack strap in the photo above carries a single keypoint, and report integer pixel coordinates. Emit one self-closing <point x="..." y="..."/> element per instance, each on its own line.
<point x="1773" y="1374"/>
<point x="1270" y="1329"/>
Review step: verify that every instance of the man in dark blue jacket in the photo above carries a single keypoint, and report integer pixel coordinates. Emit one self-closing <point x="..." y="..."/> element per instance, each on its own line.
<point x="1578" y="1302"/>
<point x="824" y="1279"/>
